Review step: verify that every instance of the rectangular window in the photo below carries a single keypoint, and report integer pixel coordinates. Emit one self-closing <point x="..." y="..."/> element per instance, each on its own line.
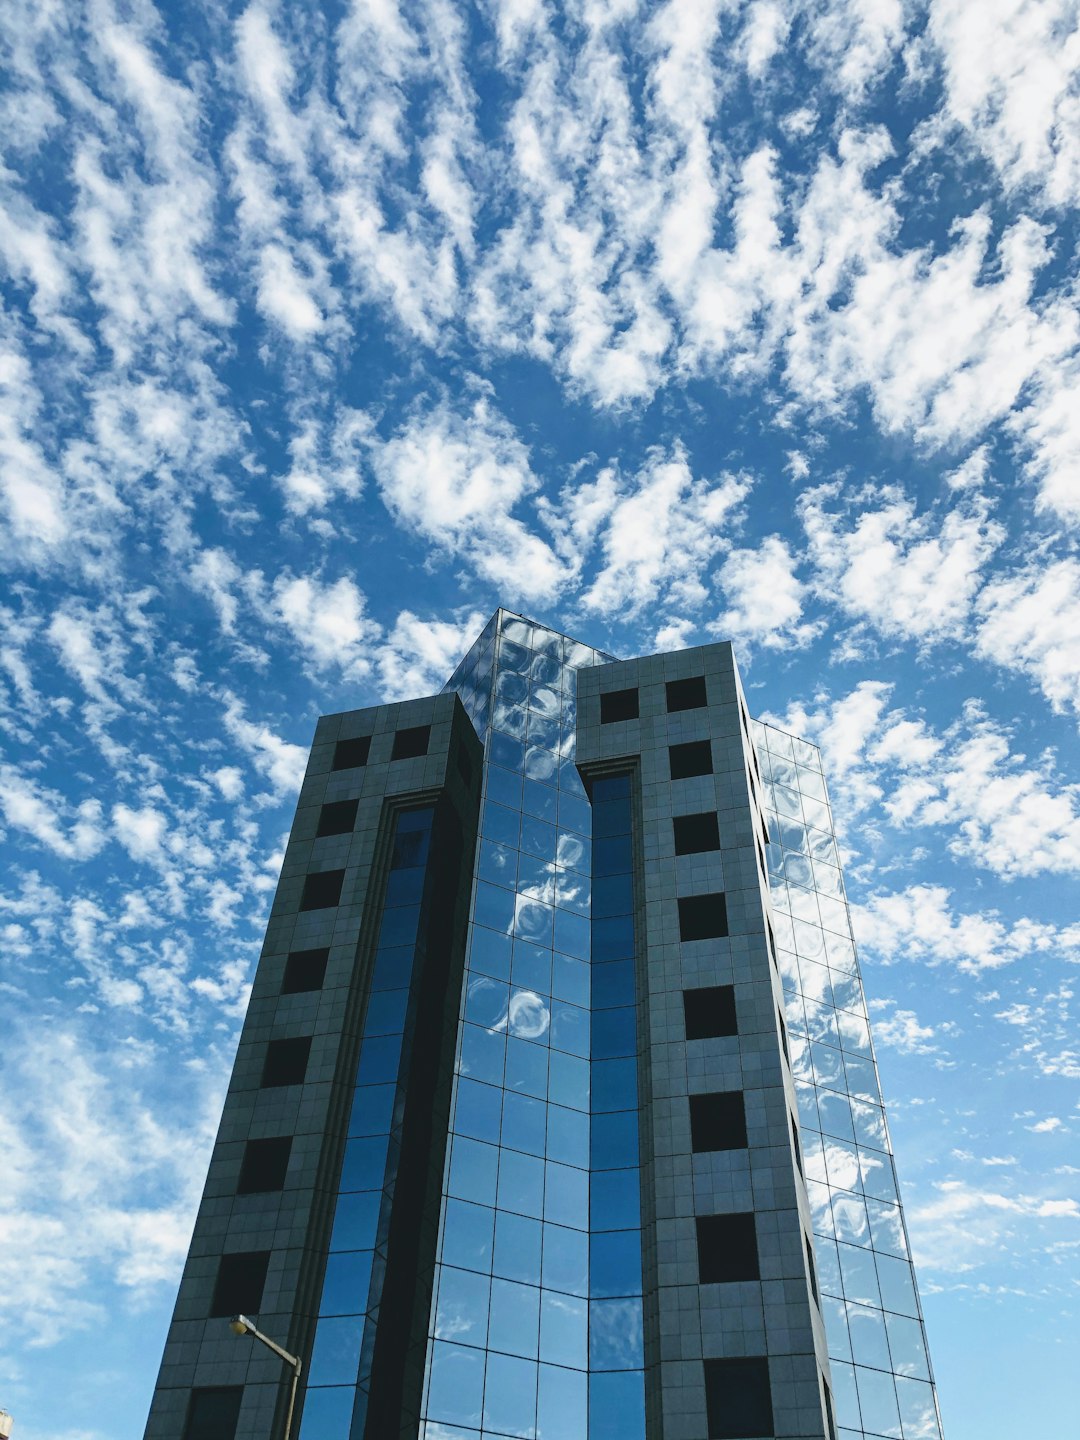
<point x="727" y="1248"/>
<point x="737" y="1398"/>
<point x="710" y="1012"/>
<point x="795" y="1143"/>
<point x="692" y="759"/>
<point x="286" y="1062"/>
<point x="618" y="705"/>
<point x="337" y="818"/>
<point x="213" y="1413"/>
<point x="811" y="1270"/>
<point x="703" y="917"/>
<point x="241" y="1280"/>
<point x="349" y="754"/>
<point x="687" y="694"/>
<point x="718" y="1121"/>
<point x="264" y="1165"/>
<point x="304" y="970"/>
<point x="323" y="890"/>
<point x="696" y="833"/>
<point x="408" y="744"/>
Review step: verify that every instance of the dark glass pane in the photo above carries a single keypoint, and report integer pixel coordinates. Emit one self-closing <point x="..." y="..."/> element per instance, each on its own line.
<point x="410" y="743"/>
<point x="286" y="1062"/>
<point x="615" y="1200"/>
<point x="612" y="895"/>
<point x="337" y="818"/>
<point x="612" y="855"/>
<point x="703" y="917"/>
<point x="613" y="983"/>
<point x="692" y="759"/>
<point x="737" y="1398"/>
<point x="348" y="754"/>
<point x="380" y="1057"/>
<point x="727" y="1248"/>
<point x="687" y="694"/>
<point x="393" y="967"/>
<point x="322" y="890"/>
<point x="399" y="926"/>
<point x="710" y="1012"/>
<point x="615" y="1141"/>
<point x="613" y="939"/>
<point x="386" y="1012"/>
<point x="356" y="1220"/>
<point x="614" y="1085"/>
<point x="304" y="970"/>
<point x="347" y="1283"/>
<point x="241" y="1279"/>
<point x="696" y="833"/>
<point x="614" y="1033"/>
<point x="618" y="705"/>
<point x="615" y="1263"/>
<point x="213" y="1413"/>
<point x="611" y="787"/>
<point x="264" y="1165"/>
<point x="405" y="887"/>
<point x="364" y="1165"/>
<point x="611" y="817"/>
<point x="718" y="1121"/>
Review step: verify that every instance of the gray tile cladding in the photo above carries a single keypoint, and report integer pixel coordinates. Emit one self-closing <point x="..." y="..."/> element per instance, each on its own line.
<point x="774" y="1316"/>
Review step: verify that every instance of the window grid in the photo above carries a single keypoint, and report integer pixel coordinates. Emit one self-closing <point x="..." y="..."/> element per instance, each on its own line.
<point x="882" y="1383"/>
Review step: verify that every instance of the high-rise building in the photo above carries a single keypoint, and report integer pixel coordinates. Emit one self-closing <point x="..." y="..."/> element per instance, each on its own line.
<point x="555" y="1113"/>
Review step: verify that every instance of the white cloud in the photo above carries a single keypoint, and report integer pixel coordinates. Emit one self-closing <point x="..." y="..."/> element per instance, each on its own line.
<point x="955" y="1231"/>
<point x="1030" y="621"/>
<point x="765" y="597"/>
<point x="657" y="531"/>
<point x="901" y="573"/>
<point x="285" y="295"/>
<point x="454" y="479"/>
<point x="141" y="832"/>
<point x="1010" y="86"/>
<point x="921" y="924"/>
<point x="280" y="761"/>
<point x="327" y="622"/>
<point x="418" y="656"/>
<point x="1004" y="814"/>
<point x="902" y="1030"/>
<point x="1047" y="1126"/>
<point x="324" y="461"/>
<point x="74" y="832"/>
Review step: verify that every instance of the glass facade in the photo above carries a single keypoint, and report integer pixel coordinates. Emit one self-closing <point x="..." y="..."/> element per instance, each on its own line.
<point x="536" y="1330"/>
<point x="339" y="1375"/>
<point x="882" y="1382"/>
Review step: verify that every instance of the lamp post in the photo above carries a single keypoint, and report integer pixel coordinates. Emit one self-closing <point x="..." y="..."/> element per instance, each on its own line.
<point x="241" y="1325"/>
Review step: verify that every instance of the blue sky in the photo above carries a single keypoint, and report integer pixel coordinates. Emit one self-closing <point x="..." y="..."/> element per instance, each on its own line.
<point x="327" y="329"/>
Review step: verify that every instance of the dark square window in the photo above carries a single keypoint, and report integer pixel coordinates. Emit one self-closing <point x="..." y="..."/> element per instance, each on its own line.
<point x="718" y="1121"/>
<point x="213" y="1413"/>
<point x="727" y="1248"/>
<point x="695" y="833"/>
<point x="710" y="1012"/>
<point x="692" y="759"/>
<point x="286" y="1062"/>
<point x="618" y="705"/>
<point x="703" y="917"/>
<point x="737" y="1398"/>
<point x="322" y="890"/>
<point x="240" y="1281"/>
<point x="348" y="754"/>
<point x="264" y="1165"/>
<point x="408" y="744"/>
<point x="687" y="694"/>
<point x="337" y="818"/>
<point x="795" y="1143"/>
<point x="304" y="970"/>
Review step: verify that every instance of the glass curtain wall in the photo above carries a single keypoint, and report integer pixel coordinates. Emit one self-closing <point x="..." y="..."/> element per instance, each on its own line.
<point x="509" y="1353"/>
<point x="877" y="1345"/>
<point x="340" y="1370"/>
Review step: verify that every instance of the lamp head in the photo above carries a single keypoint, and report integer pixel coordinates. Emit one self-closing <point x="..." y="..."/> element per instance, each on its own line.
<point x="239" y="1325"/>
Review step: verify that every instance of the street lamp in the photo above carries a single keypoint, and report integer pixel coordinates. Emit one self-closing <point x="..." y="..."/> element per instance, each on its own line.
<point x="241" y="1325"/>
